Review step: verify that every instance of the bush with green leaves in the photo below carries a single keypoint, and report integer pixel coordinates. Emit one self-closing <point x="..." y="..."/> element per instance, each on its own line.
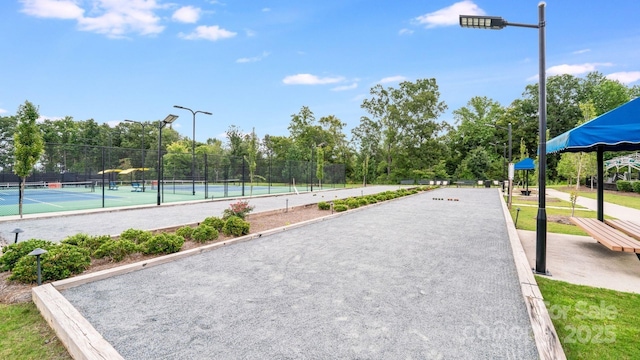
<point x="624" y="185"/>
<point x="11" y="254"/>
<point x="204" y="233"/>
<point x="164" y="243"/>
<point x="60" y="262"/>
<point x="116" y="250"/>
<point x="340" y="207"/>
<point x="186" y="232"/>
<point x="235" y="226"/>
<point x="371" y="199"/>
<point x="89" y="242"/>
<point x="339" y="202"/>
<point x="214" y="221"/>
<point x="636" y="186"/>
<point x="323" y="205"/>
<point x="136" y="236"/>
<point x="362" y="201"/>
<point x="353" y="203"/>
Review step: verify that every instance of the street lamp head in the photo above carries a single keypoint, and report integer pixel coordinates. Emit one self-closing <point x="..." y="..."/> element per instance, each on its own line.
<point x="482" y="22"/>
<point x="180" y="107"/>
<point x="206" y="113"/>
<point x="131" y="121"/>
<point x="169" y="119"/>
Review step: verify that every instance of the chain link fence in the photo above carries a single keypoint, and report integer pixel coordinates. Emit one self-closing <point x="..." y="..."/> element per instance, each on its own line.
<point x="77" y="177"/>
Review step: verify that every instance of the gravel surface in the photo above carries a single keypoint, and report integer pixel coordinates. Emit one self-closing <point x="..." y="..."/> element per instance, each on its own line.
<point x="410" y="278"/>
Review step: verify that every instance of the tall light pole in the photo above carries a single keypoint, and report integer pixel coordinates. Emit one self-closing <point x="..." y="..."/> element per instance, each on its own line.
<point x="193" y="144"/>
<point x="504" y="162"/>
<point x="168" y="120"/>
<point x="497" y="23"/>
<point x="143" y="125"/>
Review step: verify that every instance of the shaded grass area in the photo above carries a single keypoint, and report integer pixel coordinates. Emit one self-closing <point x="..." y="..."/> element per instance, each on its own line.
<point x="24" y="334"/>
<point x="593" y="323"/>
<point x="527" y="219"/>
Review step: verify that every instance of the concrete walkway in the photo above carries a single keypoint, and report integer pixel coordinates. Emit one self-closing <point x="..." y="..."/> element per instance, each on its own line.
<point x="413" y="278"/>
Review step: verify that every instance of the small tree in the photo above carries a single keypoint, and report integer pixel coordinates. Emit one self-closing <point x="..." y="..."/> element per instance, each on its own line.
<point x="28" y="145"/>
<point x="320" y="165"/>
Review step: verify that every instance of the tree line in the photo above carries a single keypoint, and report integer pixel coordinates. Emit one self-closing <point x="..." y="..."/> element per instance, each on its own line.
<point x="401" y="137"/>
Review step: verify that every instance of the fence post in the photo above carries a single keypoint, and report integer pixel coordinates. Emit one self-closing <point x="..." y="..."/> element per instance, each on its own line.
<point x="206" y="177"/>
<point x="103" y="176"/>
<point x="243" y="175"/>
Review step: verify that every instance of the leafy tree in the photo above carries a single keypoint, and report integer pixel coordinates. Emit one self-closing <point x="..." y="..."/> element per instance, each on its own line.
<point x="406" y="119"/>
<point x="366" y="138"/>
<point x="7" y="128"/>
<point x="477" y="163"/>
<point x="252" y="156"/>
<point x="28" y="145"/>
<point x="320" y="164"/>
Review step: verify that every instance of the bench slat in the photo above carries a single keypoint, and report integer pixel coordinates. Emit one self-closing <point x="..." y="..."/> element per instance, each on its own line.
<point x="630" y="228"/>
<point x="608" y="236"/>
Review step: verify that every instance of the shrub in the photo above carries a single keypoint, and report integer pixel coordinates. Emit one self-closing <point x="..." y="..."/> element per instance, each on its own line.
<point x="235" y="226"/>
<point x="239" y="209"/>
<point x="323" y="205"/>
<point x="362" y="201"/>
<point x="116" y="250"/>
<point x="340" y="207"/>
<point x="14" y="252"/>
<point x="214" y="222"/>
<point x="372" y="199"/>
<point x="339" y="202"/>
<point x="186" y="232"/>
<point x="624" y="185"/>
<point x="204" y="233"/>
<point x="89" y="242"/>
<point x="353" y="203"/>
<point x="60" y="262"/>
<point x="136" y="236"/>
<point x="636" y="186"/>
<point x="162" y="244"/>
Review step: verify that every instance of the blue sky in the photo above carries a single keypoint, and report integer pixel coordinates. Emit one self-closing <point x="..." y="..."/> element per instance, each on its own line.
<point x="255" y="63"/>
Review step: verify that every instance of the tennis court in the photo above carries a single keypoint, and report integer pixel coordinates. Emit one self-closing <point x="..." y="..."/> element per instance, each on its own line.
<point x="42" y="197"/>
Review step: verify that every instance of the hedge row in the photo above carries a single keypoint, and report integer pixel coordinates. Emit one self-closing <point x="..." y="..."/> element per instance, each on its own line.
<point x="357" y="201"/>
<point x="73" y="255"/>
<point x="628" y="186"/>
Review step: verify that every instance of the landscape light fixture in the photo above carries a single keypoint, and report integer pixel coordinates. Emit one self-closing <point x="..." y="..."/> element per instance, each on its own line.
<point x="142" y="164"/>
<point x="37" y="252"/>
<point x="168" y="120"/>
<point x="497" y="23"/>
<point x="17" y="231"/>
<point x="193" y="144"/>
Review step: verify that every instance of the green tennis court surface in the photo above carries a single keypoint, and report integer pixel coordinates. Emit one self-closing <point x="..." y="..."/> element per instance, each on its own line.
<point x="43" y="197"/>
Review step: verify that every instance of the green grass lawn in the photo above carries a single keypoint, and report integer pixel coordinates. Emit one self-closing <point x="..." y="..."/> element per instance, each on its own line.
<point x="593" y="323"/>
<point x="620" y="198"/>
<point x="24" y="334"/>
<point x="527" y="219"/>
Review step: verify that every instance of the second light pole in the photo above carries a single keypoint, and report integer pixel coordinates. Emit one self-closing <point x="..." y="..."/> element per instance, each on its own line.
<point x="193" y="144"/>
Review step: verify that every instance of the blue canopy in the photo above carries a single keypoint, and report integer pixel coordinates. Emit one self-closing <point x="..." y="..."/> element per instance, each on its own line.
<point x="616" y="130"/>
<point x="525" y="164"/>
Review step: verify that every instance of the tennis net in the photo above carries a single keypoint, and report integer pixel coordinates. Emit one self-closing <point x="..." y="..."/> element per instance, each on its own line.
<point x="46" y="188"/>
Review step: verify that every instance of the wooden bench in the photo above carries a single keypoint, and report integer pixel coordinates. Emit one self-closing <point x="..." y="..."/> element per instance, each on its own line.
<point x="136" y="186"/>
<point x="608" y="236"/>
<point x="630" y="228"/>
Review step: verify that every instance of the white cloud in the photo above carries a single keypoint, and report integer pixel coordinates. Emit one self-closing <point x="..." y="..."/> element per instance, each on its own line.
<point x="392" y="79"/>
<point x="212" y="33"/>
<point x="577" y="69"/>
<point x="57" y="9"/>
<point x="253" y="59"/>
<point x="266" y="10"/>
<point x="627" y="77"/>
<point x="405" y="32"/>
<point x="345" y="87"/>
<point x="449" y="15"/>
<point x="574" y="69"/>
<point x="187" y="14"/>
<point x="581" y="51"/>
<point x="114" y="18"/>
<point x="2" y="111"/>
<point x="308" y="79"/>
